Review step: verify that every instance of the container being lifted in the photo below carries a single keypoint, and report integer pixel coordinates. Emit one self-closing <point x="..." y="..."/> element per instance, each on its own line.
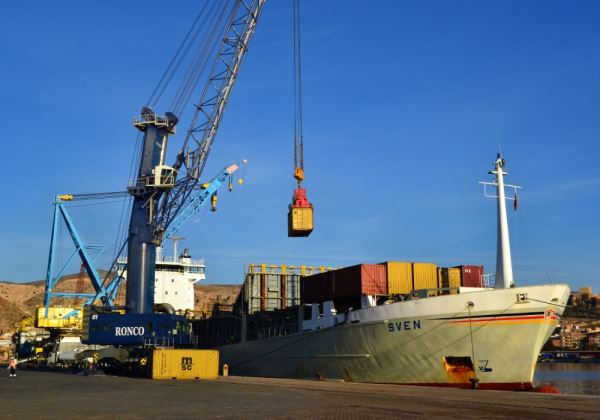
<point x="300" y="213"/>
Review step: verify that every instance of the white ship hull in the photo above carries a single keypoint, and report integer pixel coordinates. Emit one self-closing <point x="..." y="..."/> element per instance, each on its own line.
<point x="427" y="341"/>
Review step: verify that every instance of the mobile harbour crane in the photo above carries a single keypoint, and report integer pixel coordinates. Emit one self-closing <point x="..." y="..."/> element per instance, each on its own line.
<point x="164" y="196"/>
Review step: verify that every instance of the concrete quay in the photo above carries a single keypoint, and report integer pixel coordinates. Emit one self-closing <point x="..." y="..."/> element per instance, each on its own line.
<point x="39" y="394"/>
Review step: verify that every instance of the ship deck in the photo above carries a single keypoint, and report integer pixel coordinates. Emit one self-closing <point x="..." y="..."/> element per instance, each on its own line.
<point x="61" y="395"/>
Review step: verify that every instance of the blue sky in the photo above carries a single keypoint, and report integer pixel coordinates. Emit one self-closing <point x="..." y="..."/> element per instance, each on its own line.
<point x="405" y="104"/>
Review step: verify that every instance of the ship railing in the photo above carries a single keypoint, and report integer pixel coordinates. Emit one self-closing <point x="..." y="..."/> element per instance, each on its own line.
<point x="438" y="291"/>
<point x="154" y="119"/>
<point x="159" y="342"/>
<point x="488" y="280"/>
<point x="169" y="259"/>
<point x="169" y="342"/>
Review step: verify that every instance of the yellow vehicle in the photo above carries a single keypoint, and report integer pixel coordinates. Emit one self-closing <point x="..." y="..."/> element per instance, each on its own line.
<point x="60" y="317"/>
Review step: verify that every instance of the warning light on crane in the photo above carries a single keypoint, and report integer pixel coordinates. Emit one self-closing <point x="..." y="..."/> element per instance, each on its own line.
<point x="213" y="202"/>
<point x="300" y="213"/>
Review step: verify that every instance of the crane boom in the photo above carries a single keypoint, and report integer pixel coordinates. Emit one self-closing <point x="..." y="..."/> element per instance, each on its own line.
<point x="199" y="200"/>
<point x="161" y="193"/>
<point x="210" y="110"/>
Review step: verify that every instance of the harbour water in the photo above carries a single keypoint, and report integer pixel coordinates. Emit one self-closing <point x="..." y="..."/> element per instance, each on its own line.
<point x="570" y="378"/>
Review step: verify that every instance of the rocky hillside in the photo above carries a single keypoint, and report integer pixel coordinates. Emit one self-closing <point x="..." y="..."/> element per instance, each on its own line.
<point x="18" y="300"/>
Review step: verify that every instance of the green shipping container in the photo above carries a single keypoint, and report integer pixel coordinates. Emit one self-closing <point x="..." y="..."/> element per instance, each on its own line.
<point x="425" y="276"/>
<point x="399" y="277"/>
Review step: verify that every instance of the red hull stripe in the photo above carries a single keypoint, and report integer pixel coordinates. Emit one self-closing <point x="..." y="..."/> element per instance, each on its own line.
<point x="505" y="318"/>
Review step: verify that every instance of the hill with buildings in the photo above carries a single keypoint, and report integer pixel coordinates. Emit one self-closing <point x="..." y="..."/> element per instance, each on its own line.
<point x="580" y="326"/>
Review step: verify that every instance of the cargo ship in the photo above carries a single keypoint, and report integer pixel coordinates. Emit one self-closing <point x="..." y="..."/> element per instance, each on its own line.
<point x="398" y="323"/>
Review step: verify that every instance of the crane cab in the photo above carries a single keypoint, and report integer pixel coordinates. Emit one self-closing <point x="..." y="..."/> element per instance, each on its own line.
<point x="163" y="176"/>
<point x="300" y="215"/>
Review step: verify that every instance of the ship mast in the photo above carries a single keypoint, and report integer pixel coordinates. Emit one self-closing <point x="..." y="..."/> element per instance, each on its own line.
<point x="504" y="270"/>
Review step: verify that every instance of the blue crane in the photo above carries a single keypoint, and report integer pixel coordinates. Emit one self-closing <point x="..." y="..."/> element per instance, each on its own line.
<point x="165" y="196"/>
<point x="88" y="254"/>
<point x="207" y="191"/>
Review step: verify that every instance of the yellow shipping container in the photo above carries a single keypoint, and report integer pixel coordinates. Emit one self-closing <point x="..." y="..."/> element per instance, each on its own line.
<point x="449" y="277"/>
<point x="185" y="364"/>
<point x="399" y="277"/>
<point x="300" y="221"/>
<point x="425" y="276"/>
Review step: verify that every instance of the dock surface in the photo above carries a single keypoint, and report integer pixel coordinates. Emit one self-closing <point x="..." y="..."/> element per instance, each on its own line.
<point x="60" y="395"/>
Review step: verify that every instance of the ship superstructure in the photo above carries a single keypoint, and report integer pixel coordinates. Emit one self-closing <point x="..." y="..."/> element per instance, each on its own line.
<point x="175" y="276"/>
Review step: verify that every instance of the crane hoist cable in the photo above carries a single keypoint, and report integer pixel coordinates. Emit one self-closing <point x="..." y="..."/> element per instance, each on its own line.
<point x="194" y="53"/>
<point x="298" y="129"/>
<point x="300" y="214"/>
<point x="177" y="59"/>
<point x="202" y="58"/>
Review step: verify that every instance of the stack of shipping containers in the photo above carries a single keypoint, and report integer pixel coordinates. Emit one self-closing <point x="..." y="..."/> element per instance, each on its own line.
<point x="345" y="284"/>
<point x="389" y="278"/>
<point x="404" y="277"/>
<point x="270" y="287"/>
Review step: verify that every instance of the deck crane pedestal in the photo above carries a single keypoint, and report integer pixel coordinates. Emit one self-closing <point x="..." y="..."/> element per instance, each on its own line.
<point x="300" y="212"/>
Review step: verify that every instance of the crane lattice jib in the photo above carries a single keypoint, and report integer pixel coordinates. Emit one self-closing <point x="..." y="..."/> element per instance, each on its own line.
<point x="209" y="112"/>
<point x="199" y="200"/>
